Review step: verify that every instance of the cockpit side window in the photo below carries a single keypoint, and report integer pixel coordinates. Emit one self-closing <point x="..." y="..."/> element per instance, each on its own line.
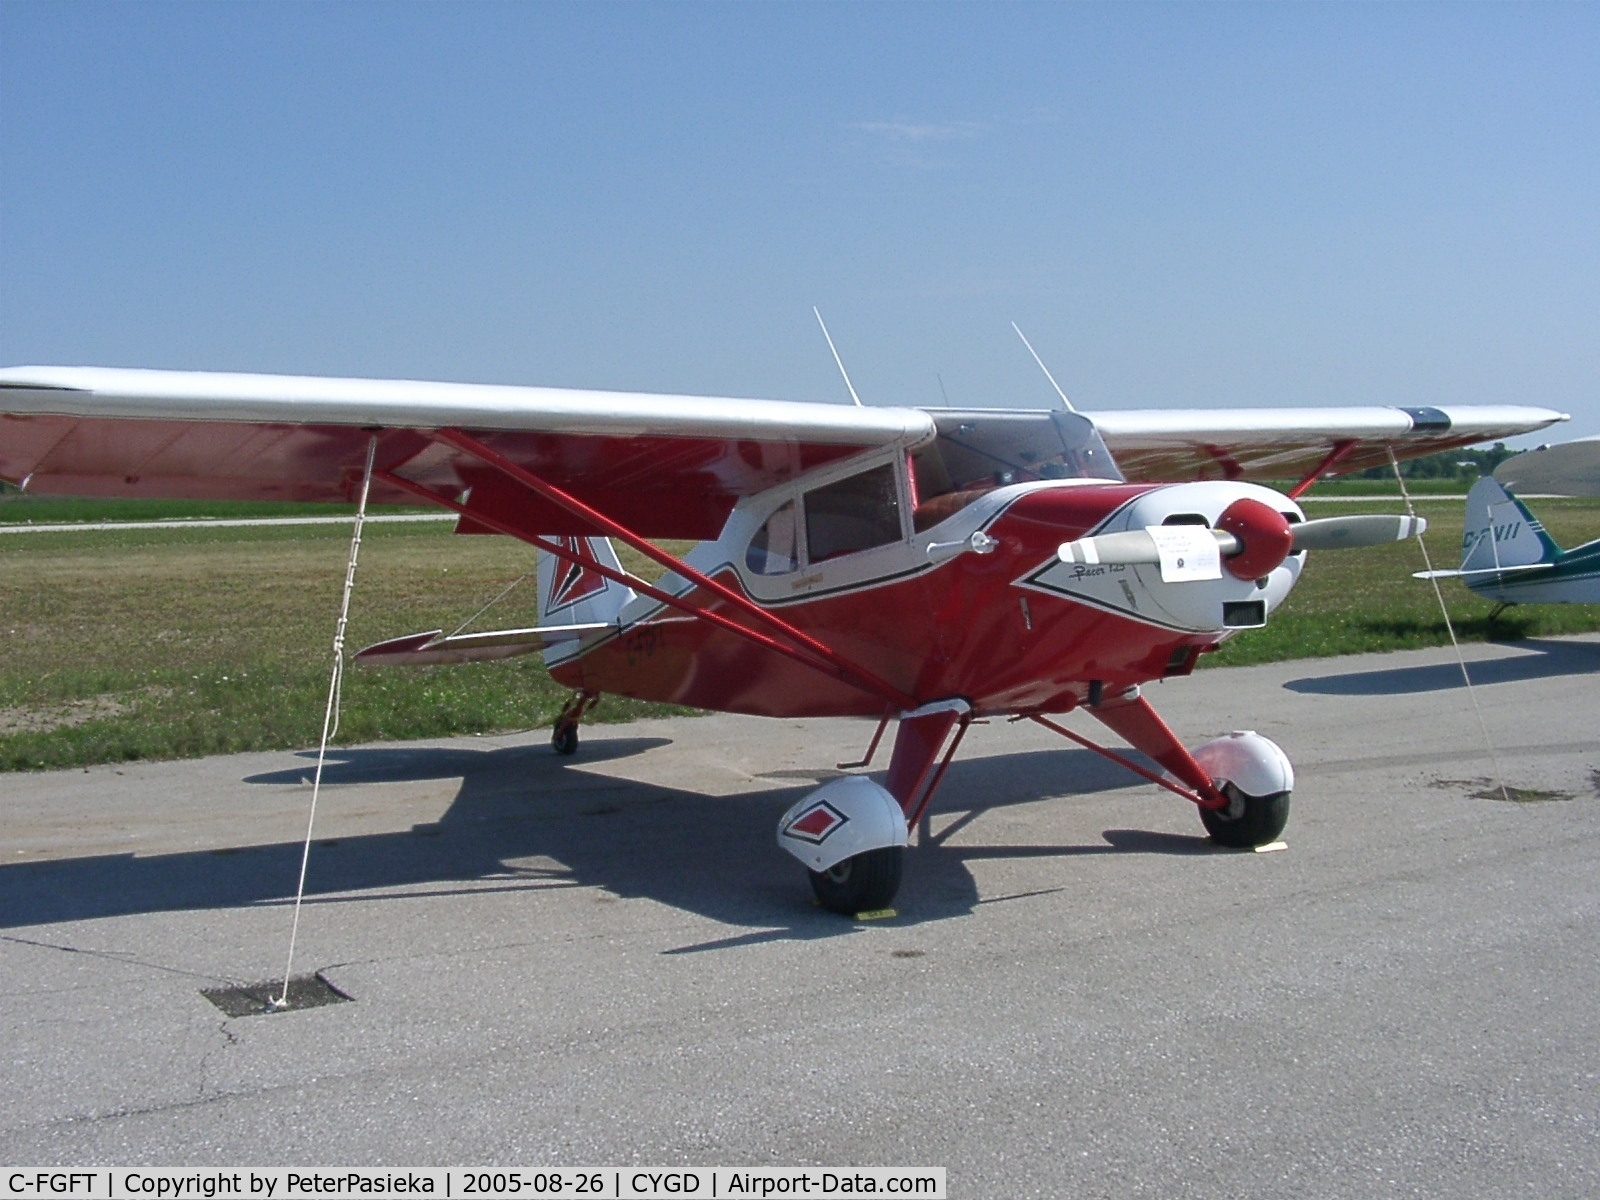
<point x="853" y="514"/>
<point x="775" y="549"/>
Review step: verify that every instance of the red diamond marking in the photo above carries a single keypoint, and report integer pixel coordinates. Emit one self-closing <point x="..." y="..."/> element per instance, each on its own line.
<point x="816" y="823"/>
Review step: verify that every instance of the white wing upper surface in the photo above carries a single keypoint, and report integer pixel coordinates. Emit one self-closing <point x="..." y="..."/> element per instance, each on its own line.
<point x="668" y="466"/>
<point x="109" y="392"/>
<point x="1287" y="443"/>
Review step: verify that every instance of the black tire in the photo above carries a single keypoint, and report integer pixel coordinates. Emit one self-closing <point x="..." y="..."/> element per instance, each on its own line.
<point x="862" y="883"/>
<point x="565" y="738"/>
<point x="1248" y="820"/>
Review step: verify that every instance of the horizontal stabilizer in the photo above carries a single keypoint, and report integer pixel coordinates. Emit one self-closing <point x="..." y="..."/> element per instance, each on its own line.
<point x="1453" y="574"/>
<point x="424" y="649"/>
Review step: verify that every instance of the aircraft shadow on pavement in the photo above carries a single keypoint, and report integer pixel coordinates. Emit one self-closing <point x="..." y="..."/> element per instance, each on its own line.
<point x="1549" y="659"/>
<point x="525" y="820"/>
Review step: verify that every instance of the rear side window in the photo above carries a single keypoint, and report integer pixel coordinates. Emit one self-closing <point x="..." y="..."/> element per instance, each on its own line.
<point x="775" y="550"/>
<point x="853" y="514"/>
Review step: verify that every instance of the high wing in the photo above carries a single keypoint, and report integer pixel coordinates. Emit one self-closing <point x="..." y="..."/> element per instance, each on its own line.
<point x="662" y="465"/>
<point x="666" y="466"/>
<point x="1290" y="443"/>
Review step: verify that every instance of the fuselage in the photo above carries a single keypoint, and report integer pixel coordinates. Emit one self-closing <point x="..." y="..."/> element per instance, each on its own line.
<point x="1572" y="578"/>
<point x="1011" y="629"/>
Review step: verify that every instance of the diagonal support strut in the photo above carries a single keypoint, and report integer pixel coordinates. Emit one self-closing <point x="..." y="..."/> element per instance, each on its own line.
<point x="677" y="602"/>
<point x="1124" y="761"/>
<point x="847" y="669"/>
<point x="1340" y="449"/>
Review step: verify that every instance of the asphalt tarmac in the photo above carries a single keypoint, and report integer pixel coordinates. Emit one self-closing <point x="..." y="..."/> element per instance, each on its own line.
<point x="607" y="960"/>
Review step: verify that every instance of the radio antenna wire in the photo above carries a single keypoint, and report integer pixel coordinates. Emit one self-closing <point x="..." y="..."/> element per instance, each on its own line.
<point x="840" y="361"/>
<point x="1045" y="369"/>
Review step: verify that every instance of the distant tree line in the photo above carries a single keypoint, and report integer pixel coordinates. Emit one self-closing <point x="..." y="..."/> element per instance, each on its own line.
<point x="1447" y="464"/>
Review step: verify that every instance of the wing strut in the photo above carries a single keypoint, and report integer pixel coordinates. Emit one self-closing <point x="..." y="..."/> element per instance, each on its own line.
<point x="840" y="670"/>
<point x="845" y="669"/>
<point x="1340" y="449"/>
<point x="560" y="551"/>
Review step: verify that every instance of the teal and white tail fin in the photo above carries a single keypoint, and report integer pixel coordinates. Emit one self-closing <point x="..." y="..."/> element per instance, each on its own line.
<point x="572" y="593"/>
<point x="1504" y="549"/>
<point x="1499" y="533"/>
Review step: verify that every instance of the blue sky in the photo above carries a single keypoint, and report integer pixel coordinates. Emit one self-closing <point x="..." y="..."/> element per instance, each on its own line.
<point x="1181" y="206"/>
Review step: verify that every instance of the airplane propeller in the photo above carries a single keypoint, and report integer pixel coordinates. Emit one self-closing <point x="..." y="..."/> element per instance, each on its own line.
<point x="1350" y="533"/>
<point x="1138" y="547"/>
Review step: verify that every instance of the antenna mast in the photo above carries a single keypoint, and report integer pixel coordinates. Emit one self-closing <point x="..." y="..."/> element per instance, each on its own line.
<point x="840" y="361"/>
<point x="1042" y="367"/>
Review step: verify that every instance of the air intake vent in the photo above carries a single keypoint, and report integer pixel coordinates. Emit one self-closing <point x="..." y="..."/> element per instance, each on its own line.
<point x="1244" y="614"/>
<point x="1181" y="661"/>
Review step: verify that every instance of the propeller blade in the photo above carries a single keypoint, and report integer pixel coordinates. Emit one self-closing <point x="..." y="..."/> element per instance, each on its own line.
<point x="1183" y="552"/>
<point x="1135" y="548"/>
<point x="1349" y="533"/>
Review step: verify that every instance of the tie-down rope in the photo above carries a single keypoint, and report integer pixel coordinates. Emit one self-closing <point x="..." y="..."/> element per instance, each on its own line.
<point x="1427" y="561"/>
<point x="330" y="716"/>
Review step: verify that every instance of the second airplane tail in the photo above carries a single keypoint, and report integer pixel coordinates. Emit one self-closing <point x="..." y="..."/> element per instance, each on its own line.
<point x="1506" y="555"/>
<point x="1499" y="532"/>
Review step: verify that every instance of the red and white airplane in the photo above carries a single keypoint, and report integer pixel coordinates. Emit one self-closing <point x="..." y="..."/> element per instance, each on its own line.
<point x="927" y="565"/>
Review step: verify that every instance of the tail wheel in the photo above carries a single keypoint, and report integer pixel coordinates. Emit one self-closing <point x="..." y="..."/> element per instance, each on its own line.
<point x="1248" y="820"/>
<point x="565" y="738"/>
<point x="864" y="882"/>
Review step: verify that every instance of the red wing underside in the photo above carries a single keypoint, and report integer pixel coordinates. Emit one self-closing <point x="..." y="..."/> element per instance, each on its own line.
<point x="679" y="487"/>
<point x="1167" y="464"/>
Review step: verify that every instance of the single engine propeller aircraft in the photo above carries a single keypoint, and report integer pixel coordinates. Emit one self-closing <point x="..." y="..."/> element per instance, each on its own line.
<point x="1506" y="555"/>
<point x="930" y="565"/>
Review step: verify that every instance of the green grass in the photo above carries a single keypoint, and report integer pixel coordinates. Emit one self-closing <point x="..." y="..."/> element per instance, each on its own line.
<point x="129" y="644"/>
<point x="20" y="509"/>
<point x="1354" y="485"/>
<point x="1350" y="602"/>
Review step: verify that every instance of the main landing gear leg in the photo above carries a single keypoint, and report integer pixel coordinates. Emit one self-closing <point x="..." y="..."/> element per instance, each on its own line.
<point x="564" y="737"/>
<point x="851" y="834"/>
<point x="1243" y="780"/>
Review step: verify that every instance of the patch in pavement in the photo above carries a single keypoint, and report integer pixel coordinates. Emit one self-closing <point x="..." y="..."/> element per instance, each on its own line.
<point x="1488" y="789"/>
<point x="255" y="999"/>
